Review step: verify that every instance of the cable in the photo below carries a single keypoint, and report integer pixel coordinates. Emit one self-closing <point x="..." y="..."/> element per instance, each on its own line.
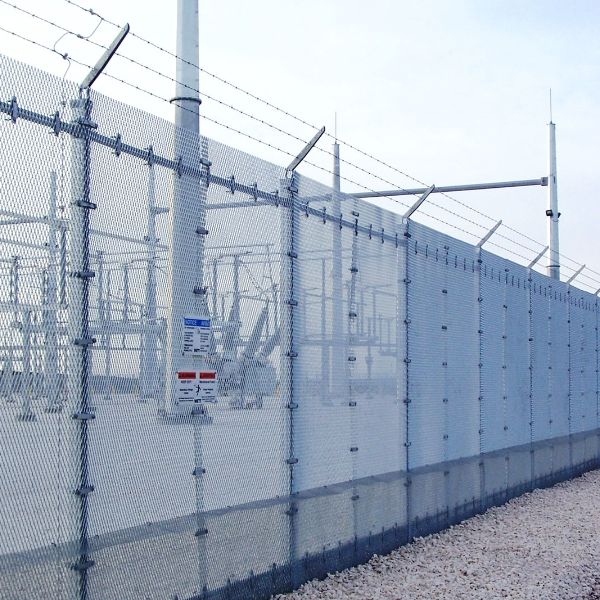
<point x="253" y="138"/>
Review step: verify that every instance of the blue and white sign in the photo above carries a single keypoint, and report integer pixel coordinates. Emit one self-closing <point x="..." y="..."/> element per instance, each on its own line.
<point x="196" y="336"/>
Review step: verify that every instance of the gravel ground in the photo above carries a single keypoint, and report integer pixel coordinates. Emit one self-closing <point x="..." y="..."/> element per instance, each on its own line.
<point x="543" y="545"/>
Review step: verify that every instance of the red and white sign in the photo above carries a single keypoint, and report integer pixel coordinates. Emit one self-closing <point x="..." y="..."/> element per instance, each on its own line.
<point x="195" y="387"/>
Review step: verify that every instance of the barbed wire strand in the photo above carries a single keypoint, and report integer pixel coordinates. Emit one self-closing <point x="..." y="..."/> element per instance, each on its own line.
<point x="253" y="138"/>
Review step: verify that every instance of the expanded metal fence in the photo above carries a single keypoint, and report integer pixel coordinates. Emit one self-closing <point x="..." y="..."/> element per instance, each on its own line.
<point x="218" y="380"/>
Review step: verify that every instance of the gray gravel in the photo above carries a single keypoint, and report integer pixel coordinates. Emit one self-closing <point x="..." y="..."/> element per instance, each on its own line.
<point x="543" y="545"/>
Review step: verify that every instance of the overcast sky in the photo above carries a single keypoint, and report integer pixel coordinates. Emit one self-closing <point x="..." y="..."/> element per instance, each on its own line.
<point x="449" y="91"/>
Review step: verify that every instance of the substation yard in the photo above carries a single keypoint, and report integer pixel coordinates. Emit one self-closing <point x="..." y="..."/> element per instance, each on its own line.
<point x="542" y="545"/>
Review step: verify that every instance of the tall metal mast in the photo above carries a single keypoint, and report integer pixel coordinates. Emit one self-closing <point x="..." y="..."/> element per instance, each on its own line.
<point x="552" y="213"/>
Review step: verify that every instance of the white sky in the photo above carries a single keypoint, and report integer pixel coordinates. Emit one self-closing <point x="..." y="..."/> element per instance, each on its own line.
<point x="449" y="91"/>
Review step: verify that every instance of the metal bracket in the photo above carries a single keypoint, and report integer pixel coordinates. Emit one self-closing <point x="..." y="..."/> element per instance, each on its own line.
<point x="84" y="491"/>
<point x="118" y="145"/>
<point x="82" y="122"/>
<point x="56" y="124"/>
<point x="14" y="109"/>
<point x="84" y="416"/>
<point x="83" y="565"/>
<point x="150" y="159"/>
<point x="86" y="204"/>
<point x="84" y="342"/>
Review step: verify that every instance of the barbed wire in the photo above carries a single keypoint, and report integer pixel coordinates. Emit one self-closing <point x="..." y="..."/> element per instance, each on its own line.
<point x="275" y="127"/>
<point x="255" y="139"/>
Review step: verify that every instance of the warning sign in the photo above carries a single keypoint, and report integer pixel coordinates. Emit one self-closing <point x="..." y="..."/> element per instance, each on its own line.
<point x="195" y="387"/>
<point x="196" y="336"/>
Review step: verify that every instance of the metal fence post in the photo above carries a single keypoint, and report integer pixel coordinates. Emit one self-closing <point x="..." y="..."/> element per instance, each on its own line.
<point x="405" y="294"/>
<point x="78" y="365"/>
<point x="478" y="287"/>
<point x="289" y="316"/>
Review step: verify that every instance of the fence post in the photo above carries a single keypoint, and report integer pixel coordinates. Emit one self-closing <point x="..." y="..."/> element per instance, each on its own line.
<point x="289" y="347"/>
<point x="78" y="391"/>
<point x="531" y="350"/>
<point x="404" y="293"/>
<point x="478" y="265"/>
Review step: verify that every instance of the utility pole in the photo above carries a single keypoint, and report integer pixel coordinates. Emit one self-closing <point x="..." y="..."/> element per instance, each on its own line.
<point x="187" y="304"/>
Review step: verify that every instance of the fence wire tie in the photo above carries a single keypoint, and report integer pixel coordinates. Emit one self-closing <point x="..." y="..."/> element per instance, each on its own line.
<point x="56" y="124"/>
<point x="14" y="109"/>
<point x="382" y="237"/>
<point x="324" y="215"/>
<point x="179" y="167"/>
<point x="370" y="232"/>
<point x="150" y="159"/>
<point x="341" y="225"/>
<point x="118" y="145"/>
<point x="255" y="191"/>
<point x="232" y="184"/>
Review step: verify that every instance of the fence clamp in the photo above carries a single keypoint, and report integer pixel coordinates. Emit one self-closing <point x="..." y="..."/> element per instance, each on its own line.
<point x="179" y="167"/>
<point x="291" y="302"/>
<point x="84" y="416"/>
<point x="84" y="490"/>
<point x="201" y="230"/>
<point x="83" y="565"/>
<point x="85" y="342"/>
<point x="341" y="221"/>
<point x="84" y="274"/>
<point x="14" y="109"/>
<point x="324" y="217"/>
<point x="86" y="204"/>
<point x="199" y="291"/>
<point x="291" y="511"/>
<point x="292" y="254"/>
<point x="371" y="231"/>
<point x="292" y="354"/>
<point x="292" y="461"/>
<point x="382" y="236"/>
<point x="118" y="145"/>
<point x="150" y="159"/>
<point x="82" y="122"/>
<point x="292" y="405"/>
<point x="198" y="472"/>
<point x="56" y="124"/>
<point x="255" y="191"/>
<point x="201" y="532"/>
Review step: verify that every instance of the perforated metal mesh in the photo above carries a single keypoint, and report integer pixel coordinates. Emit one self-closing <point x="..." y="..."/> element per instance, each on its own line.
<point x="220" y="381"/>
